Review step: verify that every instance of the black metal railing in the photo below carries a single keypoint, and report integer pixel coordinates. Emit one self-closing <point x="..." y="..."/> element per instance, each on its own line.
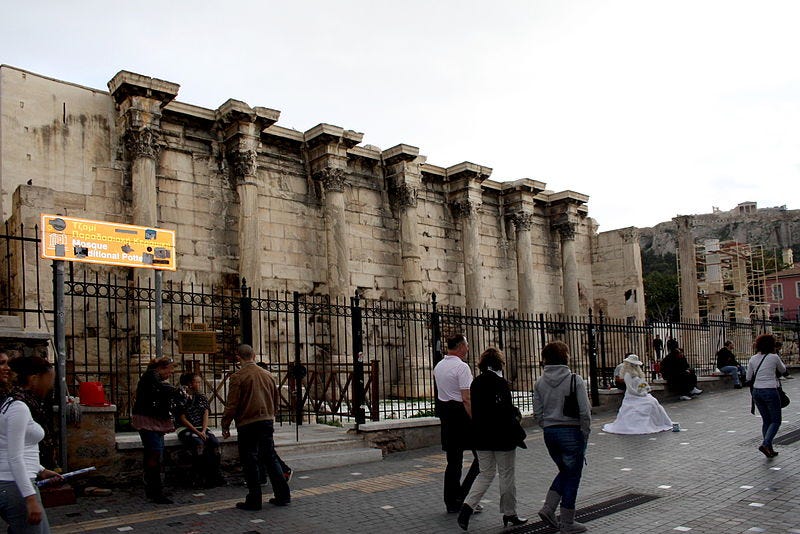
<point x="346" y="358"/>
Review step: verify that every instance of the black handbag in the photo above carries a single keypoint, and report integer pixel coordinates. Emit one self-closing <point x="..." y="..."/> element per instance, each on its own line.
<point x="784" y="398"/>
<point x="571" y="408"/>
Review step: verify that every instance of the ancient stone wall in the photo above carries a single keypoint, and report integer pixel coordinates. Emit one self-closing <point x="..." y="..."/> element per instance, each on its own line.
<point x="85" y="151"/>
<point x="619" y="291"/>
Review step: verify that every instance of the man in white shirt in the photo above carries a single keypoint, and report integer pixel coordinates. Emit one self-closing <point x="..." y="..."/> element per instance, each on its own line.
<point x="453" y="378"/>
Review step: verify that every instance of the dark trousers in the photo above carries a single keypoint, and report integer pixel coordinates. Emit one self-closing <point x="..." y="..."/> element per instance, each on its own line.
<point x="153" y="450"/>
<point x="256" y="447"/>
<point x="682" y="383"/>
<point x="205" y="454"/>
<point x="455" y="490"/>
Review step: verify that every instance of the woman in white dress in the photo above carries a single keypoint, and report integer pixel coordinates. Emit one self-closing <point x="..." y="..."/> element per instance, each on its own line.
<point x="640" y="412"/>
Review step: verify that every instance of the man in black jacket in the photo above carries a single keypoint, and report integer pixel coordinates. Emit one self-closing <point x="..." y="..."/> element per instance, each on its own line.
<point x="679" y="376"/>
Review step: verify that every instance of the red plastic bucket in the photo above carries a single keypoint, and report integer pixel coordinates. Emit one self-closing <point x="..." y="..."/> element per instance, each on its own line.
<point x="92" y="394"/>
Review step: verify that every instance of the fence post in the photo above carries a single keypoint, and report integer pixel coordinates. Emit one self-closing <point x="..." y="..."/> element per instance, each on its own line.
<point x="358" y="361"/>
<point x="500" y="330"/>
<point x="602" y="336"/>
<point x="246" y="314"/>
<point x="59" y="327"/>
<point x="436" y="333"/>
<point x="593" y="378"/>
<point x="436" y="346"/>
<point x="542" y="330"/>
<point x="374" y="401"/>
<point x="298" y="370"/>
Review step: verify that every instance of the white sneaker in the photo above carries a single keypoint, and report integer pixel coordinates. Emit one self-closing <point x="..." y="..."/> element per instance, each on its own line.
<point x="685" y="397"/>
<point x="696" y="391"/>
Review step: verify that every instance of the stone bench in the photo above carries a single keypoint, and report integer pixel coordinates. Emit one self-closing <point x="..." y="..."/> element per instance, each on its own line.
<point x="611" y="399"/>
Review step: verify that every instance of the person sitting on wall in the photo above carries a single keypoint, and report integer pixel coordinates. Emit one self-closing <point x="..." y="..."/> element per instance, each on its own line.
<point x="726" y="363"/>
<point x="679" y="376"/>
<point x="191" y="418"/>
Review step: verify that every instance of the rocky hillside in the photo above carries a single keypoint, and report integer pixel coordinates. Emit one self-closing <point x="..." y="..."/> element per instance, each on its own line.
<point x="773" y="228"/>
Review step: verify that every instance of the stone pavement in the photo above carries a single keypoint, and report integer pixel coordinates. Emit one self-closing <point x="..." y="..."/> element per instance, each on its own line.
<point x="709" y="478"/>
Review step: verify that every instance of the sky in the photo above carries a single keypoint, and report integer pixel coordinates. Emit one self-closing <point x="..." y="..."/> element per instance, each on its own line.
<point x="652" y="108"/>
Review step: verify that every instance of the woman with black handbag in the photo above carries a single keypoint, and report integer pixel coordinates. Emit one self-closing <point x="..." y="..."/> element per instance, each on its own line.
<point x="561" y="407"/>
<point x="762" y="371"/>
<point x="496" y="433"/>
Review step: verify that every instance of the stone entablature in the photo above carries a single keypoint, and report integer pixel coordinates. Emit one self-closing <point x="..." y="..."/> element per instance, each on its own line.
<point x="317" y="211"/>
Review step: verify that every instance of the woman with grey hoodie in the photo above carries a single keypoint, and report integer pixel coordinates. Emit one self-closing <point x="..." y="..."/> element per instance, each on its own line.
<point x="565" y="434"/>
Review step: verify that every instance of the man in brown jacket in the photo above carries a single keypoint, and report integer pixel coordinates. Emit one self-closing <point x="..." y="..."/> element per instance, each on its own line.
<point x="251" y="403"/>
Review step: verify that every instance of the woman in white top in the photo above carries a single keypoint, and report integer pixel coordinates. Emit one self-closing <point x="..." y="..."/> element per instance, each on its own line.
<point x="20" y="504"/>
<point x="763" y="369"/>
<point x="640" y="412"/>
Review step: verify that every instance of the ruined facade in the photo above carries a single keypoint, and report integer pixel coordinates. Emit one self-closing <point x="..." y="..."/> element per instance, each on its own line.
<point x="313" y="211"/>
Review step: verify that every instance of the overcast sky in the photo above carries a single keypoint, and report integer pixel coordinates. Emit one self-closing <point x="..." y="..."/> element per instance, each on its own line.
<point x="653" y="109"/>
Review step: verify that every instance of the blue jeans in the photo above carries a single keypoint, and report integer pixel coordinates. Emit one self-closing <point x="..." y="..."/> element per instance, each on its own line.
<point x="734" y="371"/>
<point x="768" y="403"/>
<point x="14" y="511"/>
<point x="567" y="447"/>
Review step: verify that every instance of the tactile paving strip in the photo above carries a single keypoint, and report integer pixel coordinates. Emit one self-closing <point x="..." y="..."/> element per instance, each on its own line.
<point x="590" y="513"/>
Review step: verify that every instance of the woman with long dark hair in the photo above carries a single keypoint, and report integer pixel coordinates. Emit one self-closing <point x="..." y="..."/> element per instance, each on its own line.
<point x="762" y="370"/>
<point x="20" y="503"/>
<point x="566" y="433"/>
<point x="152" y="418"/>
<point x="496" y="435"/>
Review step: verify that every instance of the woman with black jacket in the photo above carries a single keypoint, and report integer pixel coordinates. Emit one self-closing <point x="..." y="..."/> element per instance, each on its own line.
<point x="152" y="418"/>
<point x="496" y="433"/>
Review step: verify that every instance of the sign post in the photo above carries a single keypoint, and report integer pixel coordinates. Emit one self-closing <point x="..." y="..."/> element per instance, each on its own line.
<point x="87" y="241"/>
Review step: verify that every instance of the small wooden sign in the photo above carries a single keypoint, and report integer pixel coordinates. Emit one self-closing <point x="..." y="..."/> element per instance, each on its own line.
<point x="193" y="342"/>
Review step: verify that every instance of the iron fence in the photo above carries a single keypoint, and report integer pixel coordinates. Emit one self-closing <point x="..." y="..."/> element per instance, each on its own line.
<point x="335" y="359"/>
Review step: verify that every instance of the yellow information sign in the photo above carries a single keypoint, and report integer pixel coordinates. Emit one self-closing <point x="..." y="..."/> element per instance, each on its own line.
<point x="83" y="240"/>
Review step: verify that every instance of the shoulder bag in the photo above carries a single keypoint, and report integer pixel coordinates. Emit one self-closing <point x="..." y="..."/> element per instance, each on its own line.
<point x="750" y="385"/>
<point x="571" y="408"/>
<point x="784" y="397"/>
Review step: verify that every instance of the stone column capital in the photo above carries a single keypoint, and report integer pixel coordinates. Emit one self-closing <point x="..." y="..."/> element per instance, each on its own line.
<point x="522" y="220"/>
<point x="243" y="164"/>
<point x="403" y="195"/>
<point x="629" y="235"/>
<point x="464" y="209"/>
<point x="142" y="143"/>
<point x="566" y="230"/>
<point x="330" y="179"/>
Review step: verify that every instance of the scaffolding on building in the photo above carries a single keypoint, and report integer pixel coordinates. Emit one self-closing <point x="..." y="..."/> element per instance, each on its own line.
<point x="730" y="280"/>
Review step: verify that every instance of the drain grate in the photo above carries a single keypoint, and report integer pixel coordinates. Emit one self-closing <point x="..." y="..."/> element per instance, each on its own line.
<point x="789" y="437"/>
<point x="590" y="513"/>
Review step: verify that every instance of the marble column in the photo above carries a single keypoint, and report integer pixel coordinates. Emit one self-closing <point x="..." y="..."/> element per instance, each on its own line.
<point x="690" y="309"/>
<point x="569" y="268"/>
<point x="244" y="170"/>
<point x="522" y="222"/>
<point x="467" y="212"/>
<point x="332" y="184"/>
<point x="241" y="127"/>
<point x="404" y="197"/>
<point x="143" y="149"/>
<point x="139" y="102"/>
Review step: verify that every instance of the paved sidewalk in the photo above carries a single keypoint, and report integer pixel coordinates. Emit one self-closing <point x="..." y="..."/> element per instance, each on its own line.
<point x="709" y="478"/>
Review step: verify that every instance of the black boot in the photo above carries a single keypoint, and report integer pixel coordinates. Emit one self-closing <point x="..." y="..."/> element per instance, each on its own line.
<point x="515" y="520"/>
<point x="152" y="478"/>
<point x="252" y="502"/>
<point x="463" y="516"/>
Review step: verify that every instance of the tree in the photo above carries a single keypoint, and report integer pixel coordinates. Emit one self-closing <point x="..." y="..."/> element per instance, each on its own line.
<point x="660" y="286"/>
